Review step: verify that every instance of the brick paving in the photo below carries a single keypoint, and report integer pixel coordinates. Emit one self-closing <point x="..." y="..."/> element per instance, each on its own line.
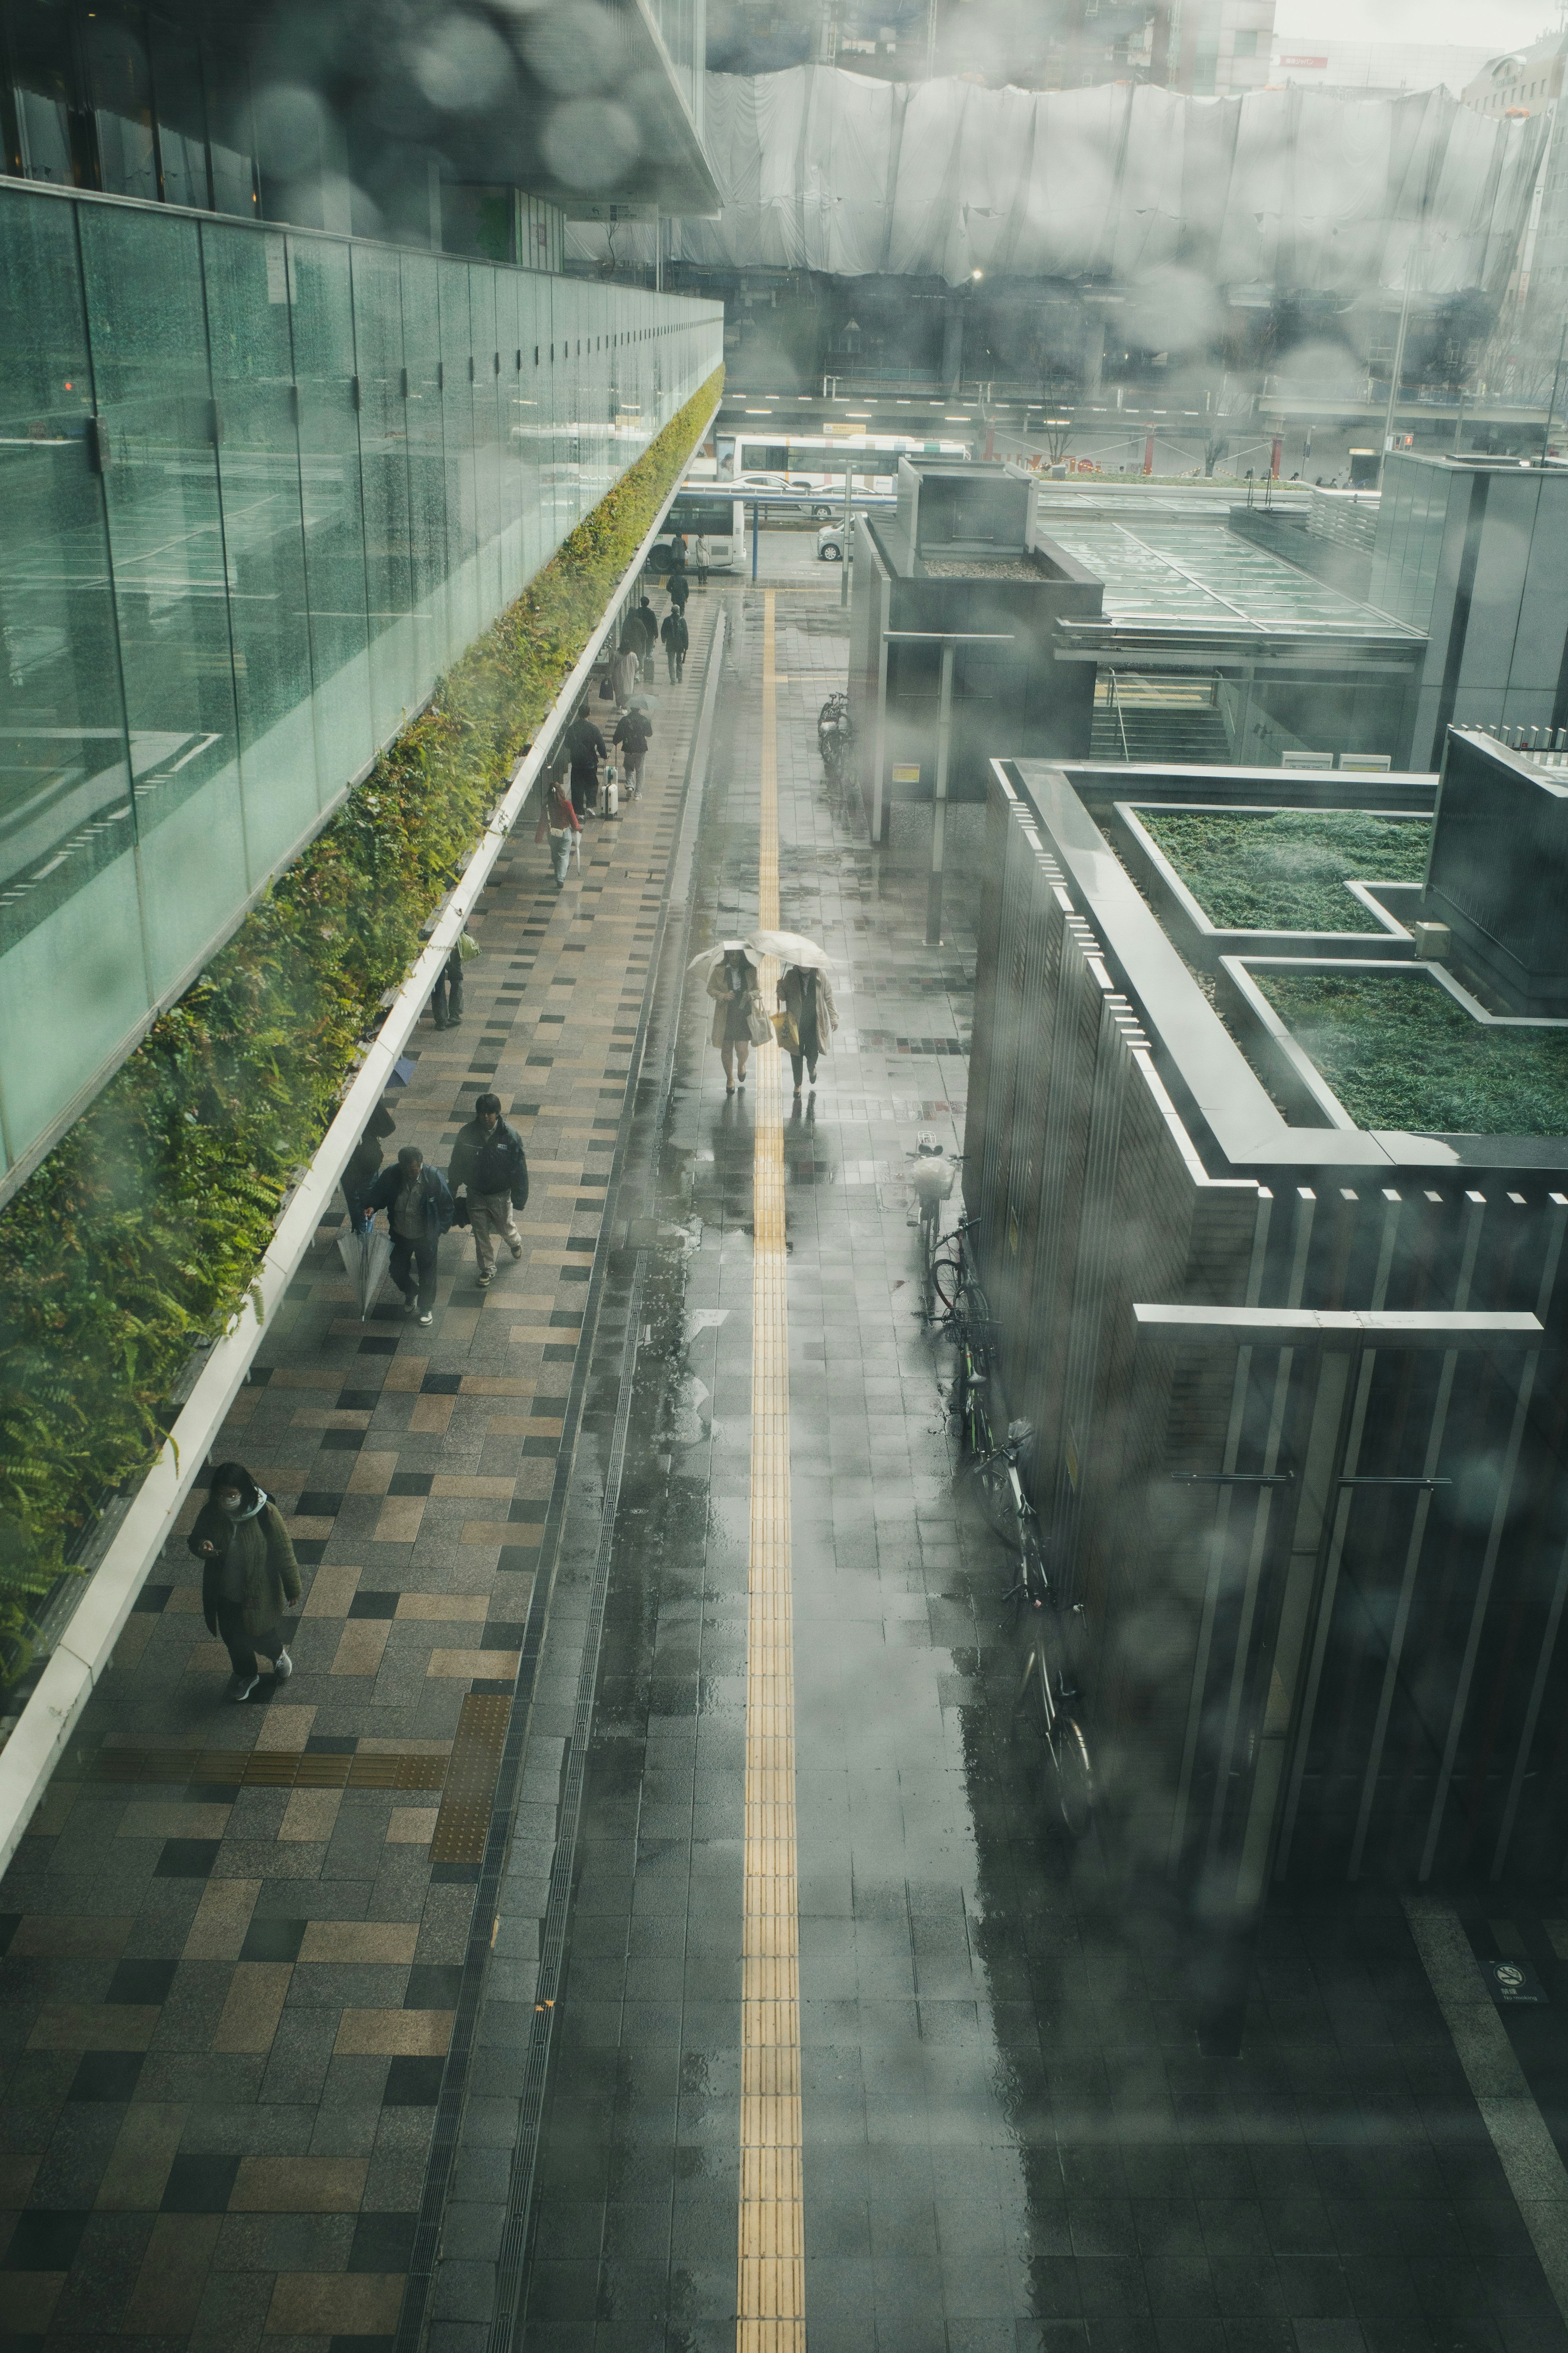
<point x="234" y="1937"/>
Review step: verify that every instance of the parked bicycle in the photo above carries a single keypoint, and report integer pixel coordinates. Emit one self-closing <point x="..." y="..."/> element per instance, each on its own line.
<point x="836" y="736"/>
<point x="932" y="1180"/>
<point x="994" y="1466"/>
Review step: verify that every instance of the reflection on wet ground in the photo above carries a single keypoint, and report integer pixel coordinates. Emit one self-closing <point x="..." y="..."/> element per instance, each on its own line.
<point x="1011" y="2139"/>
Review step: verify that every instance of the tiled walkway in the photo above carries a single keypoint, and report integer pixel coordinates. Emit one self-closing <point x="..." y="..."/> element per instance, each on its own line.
<point x="410" y="2007"/>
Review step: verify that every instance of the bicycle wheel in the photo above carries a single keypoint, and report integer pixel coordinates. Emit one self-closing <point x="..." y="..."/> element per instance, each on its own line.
<point x="947" y="1281"/>
<point x="1075" y="1776"/>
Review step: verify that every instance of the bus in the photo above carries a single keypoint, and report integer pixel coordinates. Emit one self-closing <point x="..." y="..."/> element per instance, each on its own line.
<point x="720" y="520"/>
<point x="816" y="463"/>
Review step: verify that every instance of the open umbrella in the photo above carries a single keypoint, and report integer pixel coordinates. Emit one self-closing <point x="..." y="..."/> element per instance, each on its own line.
<point x="706" y="959"/>
<point x="789" y="947"/>
<point x="365" y="1256"/>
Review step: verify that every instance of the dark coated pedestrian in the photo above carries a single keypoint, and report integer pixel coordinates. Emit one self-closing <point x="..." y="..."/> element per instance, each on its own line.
<point x="586" y="750"/>
<point x="677" y="641"/>
<point x="806" y="1000"/>
<point x="631" y="740"/>
<point x="250" y="1575"/>
<point x="364" y="1161"/>
<point x="647" y="622"/>
<point x="679" y="590"/>
<point x="446" y="997"/>
<point x="418" y="1212"/>
<point x="490" y="1167"/>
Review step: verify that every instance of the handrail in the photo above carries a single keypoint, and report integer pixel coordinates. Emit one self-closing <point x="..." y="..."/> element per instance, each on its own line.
<point x="1116" y="706"/>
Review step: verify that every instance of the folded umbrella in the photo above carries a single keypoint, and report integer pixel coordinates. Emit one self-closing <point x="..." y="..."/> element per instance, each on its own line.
<point x="366" y="1254"/>
<point x="789" y="947"/>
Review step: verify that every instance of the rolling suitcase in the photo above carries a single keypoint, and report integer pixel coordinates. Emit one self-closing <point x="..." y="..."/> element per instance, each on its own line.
<point x="610" y="794"/>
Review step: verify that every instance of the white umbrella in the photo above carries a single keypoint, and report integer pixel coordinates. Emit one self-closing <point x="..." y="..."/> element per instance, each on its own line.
<point x="789" y="947"/>
<point x="706" y="959"/>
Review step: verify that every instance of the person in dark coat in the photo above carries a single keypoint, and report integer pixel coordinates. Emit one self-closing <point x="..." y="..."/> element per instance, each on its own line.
<point x="805" y="999"/>
<point x="677" y="639"/>
<point x="250" y="1575"/>
<point x="645" y="618"/>
<point x="586" y="750"/>
<point x="490" y="1165"/>
<point x="363" y="1162"/>
<point x="631" y="740"/>
<point x="679" y="588"/>
<point x="446" y="997"/>
<point x="419" y="1210"/>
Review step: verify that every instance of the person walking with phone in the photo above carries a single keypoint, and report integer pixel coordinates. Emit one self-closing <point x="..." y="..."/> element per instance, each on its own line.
<point x="631" y="739"/>
<point x="250" y="1575"/>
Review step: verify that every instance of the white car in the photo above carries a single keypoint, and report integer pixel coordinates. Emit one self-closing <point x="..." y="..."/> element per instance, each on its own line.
<point x="830" y="542"/>
<point x="806" y="501"/>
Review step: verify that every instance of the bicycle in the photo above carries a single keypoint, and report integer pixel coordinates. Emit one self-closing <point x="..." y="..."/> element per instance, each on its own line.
<point x="836" y="736"/>
<point x="932" y="1178"/>
<point x="994" y="1469"/>
<point x="1045" y="1667"/>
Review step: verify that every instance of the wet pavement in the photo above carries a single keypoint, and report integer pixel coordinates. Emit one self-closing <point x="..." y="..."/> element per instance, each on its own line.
<point x="425" y="2003"/>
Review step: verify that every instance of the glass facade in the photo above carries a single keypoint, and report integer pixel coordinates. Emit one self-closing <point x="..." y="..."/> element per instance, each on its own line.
<point x="262" y="486"/>
<point x="121" y="99"/>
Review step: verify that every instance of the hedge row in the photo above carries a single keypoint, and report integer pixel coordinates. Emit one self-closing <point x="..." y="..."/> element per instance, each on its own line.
<point x="141" y="1233"/>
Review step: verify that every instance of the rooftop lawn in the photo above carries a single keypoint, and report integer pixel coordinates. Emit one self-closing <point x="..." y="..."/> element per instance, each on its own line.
<point x="1402" y="1053"/>
<point x="1286" y="871"/>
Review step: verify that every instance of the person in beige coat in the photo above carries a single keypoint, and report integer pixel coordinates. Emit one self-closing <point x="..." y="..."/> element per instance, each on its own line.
<point x="805" y="999"/>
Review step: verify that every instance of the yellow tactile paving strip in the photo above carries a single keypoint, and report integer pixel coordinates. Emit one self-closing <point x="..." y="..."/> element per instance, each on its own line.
<point x="770" y="2283"/>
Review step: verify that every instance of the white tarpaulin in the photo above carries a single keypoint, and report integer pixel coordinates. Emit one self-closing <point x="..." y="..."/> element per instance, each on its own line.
<point x="836" y="171"/>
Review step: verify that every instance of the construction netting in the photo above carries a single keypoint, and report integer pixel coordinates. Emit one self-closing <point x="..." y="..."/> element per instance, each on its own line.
<point x="836" y="172"/>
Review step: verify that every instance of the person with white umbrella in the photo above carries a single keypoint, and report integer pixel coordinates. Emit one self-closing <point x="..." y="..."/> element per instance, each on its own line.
<point x="809" y="1017"/>
<point x="732" y="986"/>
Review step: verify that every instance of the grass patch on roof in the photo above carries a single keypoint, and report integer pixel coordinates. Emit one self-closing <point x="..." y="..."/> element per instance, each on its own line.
<point x="1400" y="1052"/>
<point x="1286" y="871"/>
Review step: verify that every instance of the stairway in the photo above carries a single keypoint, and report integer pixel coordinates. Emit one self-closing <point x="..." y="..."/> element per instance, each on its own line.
<point x="1164" y="721"/>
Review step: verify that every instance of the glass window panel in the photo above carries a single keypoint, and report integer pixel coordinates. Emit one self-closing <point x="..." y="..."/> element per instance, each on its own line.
<point x="38" y="44"/>
<point x="490" y="518"/>
<point x="71" y="990"/>
<point x="458" y="367"/>
<point x="426" y="468"/>
<point x="233" y="133"/>
<point x="323" y="311"/>
<point x="264" y="543"/>
<point x="179" y="98"/>
<point x="120" y="84"/>
<point x="531" y="414"/>
<point x="384" y="414"/>
<point x="165" y="535"/>
<point x="508" y="458"/>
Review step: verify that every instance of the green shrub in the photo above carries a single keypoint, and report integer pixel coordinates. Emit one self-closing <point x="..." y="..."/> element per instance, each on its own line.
<point x="1402" y="1053"/>
<point x="142" y="1231"/>
<point x="1286" y="871"/>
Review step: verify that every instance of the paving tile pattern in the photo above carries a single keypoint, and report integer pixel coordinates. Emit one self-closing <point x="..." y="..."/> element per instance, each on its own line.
<point x="233" y="1944"/>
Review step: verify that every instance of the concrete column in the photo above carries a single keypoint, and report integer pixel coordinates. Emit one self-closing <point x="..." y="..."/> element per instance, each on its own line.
<point x="953" y="343"/>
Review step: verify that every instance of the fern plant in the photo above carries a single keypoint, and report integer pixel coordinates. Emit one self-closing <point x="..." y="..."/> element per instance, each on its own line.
<point x="142" y="1232"/>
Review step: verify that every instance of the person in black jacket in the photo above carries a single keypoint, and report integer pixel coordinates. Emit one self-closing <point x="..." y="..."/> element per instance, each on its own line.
<point x="645" y="621"/>
<point x="631" y="739"/>
<point x="364" y="1161"/>
<point x="679" y="588"/>
<point x="677" y="639"/>
<point x="490" y="1164"/>
<point x="250" y="1575"/>
<point x="419" y="1210"/>
<point x="586" y="750"/>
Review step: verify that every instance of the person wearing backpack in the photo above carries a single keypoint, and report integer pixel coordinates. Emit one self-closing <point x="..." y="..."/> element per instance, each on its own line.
<point x="489" y="1163"/>
<point x="631" y="739"/>
<point x="677" y="641"/>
